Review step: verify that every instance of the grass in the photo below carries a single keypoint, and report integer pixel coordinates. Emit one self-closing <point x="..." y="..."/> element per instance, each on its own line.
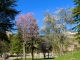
<point x="73" y="56"/>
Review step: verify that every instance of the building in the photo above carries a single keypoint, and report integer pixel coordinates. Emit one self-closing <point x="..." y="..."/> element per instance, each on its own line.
<point x="9" y="33"/>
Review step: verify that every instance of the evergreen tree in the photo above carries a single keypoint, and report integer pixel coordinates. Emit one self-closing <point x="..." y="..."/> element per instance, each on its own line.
<point x="7" y="15"/>
<point x="76" y="18"/>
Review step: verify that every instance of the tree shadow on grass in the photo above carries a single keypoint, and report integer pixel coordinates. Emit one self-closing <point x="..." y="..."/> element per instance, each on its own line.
<point x="45" y="59"/>
<point x="38" y="59"/>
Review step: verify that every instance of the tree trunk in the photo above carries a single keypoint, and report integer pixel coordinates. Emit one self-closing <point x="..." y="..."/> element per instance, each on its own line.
<point x="32" y="50"/>
<point x="4" y="56"/>
<point x="44" y="55"/>
<point x="24" y="51"/>
<point x="48" y="54"/>
<point x="61" y="50"/>
<point x="17" y="56"/>
<point x="32" y="53"/>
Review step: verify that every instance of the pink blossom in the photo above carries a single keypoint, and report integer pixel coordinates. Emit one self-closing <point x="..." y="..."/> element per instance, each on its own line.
<point x="28" y="25"/>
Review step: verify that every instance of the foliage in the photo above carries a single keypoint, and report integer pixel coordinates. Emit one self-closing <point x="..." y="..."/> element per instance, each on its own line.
<point x="35" y="45"/>
<point x="28" y="25"/>
<point x="3" y="37"/>
<point x="16" y="45"/>
<point x="56" y="27"/>
<point x="76" y="18"/>
<point x="4" y="47"/>
<point x="7" y="15"/>
<point x="28" y="29"/>
<point x="45" y="45"/>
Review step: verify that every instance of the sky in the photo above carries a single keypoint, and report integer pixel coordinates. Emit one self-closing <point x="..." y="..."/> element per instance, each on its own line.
<point x="38" y="7"/>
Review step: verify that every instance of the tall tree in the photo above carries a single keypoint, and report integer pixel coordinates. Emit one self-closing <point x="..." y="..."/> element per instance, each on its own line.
<point x="76" y="18"/>
<point x="64" y="19"/>
<point x="56" y="26"/>
<point x="7" y="15"/>
<point x="29" y="30"/>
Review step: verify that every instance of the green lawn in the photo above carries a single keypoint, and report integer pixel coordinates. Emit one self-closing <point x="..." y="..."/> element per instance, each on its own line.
<point x="74" y="56"/>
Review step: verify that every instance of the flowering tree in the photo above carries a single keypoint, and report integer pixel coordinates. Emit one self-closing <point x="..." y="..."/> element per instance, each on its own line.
<point x="56" y="26"/>
<point x="28" y="28"/>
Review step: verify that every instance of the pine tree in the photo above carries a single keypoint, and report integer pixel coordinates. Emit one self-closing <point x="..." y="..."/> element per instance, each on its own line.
<point x="76" y="18"/>
<point x="7" y="16"/>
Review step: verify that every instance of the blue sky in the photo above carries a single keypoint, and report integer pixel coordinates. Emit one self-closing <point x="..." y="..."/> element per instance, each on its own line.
<point x="38" y="7"/>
